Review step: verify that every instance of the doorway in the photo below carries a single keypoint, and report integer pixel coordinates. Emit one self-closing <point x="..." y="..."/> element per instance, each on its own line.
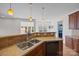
<point x="60" y="29"/>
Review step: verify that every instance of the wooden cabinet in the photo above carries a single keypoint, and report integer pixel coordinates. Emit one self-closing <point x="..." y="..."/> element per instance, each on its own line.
<point x="72" y="43"/>
<point x="76" y="45"/>
<point x="44" y="34"/>
<point x="77" y="24"/>
<point x="69" y="42"/>
<point x="60" y="48"/>
<point x="51" y="48"/>
<point x="38" y="51"/>
<point x="54" y="48"/>
<point x="74" y="20"/>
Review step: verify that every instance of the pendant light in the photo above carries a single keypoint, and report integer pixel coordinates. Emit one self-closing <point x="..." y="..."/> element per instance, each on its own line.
<point x="43" y="8"/>
<point x="30" y="7"/>
<point x="10" y="10"/>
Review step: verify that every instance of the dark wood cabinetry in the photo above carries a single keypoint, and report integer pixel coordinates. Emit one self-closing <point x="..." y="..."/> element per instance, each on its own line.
<point x="72" y="43"/>
<point x="69" y="42"/>
<point x="76" y="45"/>
<point x="51" y="48"/>
<point x="54" y="48"/>
<point x="43" y="34"/>
<point x="60" y="48"/>
<point x="74" y="20"/>
<point x="77" y="24"/>
<point x="38" y="51"/>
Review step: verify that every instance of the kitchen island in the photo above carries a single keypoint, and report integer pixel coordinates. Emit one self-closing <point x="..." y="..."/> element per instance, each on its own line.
<point x="13" y="50"/>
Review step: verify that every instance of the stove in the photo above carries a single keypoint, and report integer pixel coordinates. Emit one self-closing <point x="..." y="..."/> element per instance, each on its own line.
<point x="27" y="44"/>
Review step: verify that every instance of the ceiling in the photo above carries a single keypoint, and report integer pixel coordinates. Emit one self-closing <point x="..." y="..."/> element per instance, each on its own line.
<point x="21" y="10"/>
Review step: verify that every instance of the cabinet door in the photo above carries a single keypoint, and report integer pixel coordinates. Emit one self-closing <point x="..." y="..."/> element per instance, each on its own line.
<point x="76" y="45"/>
<point x="66" y="41"/>
<point x="69" y="42"/>
<point x="61" y="48"/>
<point x="72" y="21"/>
<point x="77" y="22"/>
<point x="38" y="51"/>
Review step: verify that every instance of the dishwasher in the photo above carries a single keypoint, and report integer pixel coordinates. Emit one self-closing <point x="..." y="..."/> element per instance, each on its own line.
<point x="52" y="48"/>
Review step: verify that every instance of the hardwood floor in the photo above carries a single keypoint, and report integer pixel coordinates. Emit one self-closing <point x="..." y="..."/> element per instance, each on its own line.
<point x="68" y="52"/>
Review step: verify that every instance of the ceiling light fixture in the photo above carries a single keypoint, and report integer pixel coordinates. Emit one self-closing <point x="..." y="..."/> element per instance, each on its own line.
<point x="30" y="7"/>
<point x="10" y="10"/>
<point x="43" y="8"/>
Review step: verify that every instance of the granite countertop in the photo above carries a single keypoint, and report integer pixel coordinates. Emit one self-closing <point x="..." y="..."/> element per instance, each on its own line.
<point x="49" y="39"/>
<point x="73" y="36"/>
<point x="3" y="36"/>
<point x="15" y="51"/>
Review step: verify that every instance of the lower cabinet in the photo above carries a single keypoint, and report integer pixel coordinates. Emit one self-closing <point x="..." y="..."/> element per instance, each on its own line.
<point x="69" y="42"/>
<point x="38" y="51"/>
<point x="76" y="45"/>
<point x="72" y="43"/>
<point x="50" y="48"/>
<point x="54" y="48"/>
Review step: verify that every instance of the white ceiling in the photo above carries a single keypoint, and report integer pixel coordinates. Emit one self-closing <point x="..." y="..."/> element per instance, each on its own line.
<point x="52" y="10"/>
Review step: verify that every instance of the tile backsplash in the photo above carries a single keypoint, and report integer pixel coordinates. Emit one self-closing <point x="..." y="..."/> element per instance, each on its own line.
<point x="75" y="32"/>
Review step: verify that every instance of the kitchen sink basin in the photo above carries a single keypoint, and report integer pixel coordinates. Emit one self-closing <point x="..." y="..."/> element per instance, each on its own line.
<point x="34" y="41"/>
<point x="27" y="44"/>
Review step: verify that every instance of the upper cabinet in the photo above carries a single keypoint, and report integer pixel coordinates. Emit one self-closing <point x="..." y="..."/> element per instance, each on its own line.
<point x="74" y="20"/>
<point x="77" y="20"/>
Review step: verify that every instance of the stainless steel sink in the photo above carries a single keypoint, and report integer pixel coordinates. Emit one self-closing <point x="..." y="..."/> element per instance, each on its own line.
<point x="27" y="44"/>
<point x="34" y="41"/>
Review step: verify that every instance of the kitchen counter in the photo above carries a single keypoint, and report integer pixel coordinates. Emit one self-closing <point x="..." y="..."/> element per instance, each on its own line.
<point x="10" y="35"/>
<point x="15" y="51"/>
<point x="48" y="38"/>
<point x="74" y="37"/>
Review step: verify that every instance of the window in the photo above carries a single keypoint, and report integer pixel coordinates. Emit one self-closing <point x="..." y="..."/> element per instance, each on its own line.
<point x="27" y="27"/>
<point x="32" y="29"/>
